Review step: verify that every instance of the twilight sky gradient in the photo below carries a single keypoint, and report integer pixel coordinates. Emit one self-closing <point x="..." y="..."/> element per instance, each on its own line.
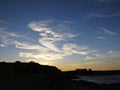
<point x="68" y="34"/>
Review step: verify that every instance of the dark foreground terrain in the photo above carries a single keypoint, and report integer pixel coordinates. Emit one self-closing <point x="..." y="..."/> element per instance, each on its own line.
<point x="33" y="76"/>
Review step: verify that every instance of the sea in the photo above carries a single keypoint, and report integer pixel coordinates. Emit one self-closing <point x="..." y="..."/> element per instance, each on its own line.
<point x="102" y="79"/>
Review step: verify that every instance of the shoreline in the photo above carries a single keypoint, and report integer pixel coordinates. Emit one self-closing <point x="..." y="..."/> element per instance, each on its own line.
<point x="33" y="76"/>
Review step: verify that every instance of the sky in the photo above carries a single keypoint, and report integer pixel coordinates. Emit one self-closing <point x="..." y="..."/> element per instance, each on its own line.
<point x="68" y="34"/>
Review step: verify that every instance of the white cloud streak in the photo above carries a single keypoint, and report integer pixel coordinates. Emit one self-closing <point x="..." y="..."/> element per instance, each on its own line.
<point x="28" y="46"/>
<point x="10" y="38"/>
<point x="48" y="39"/>
<point x="110" y="53"/>
<point x="103" y="15"/>
<point x="47" y="47"/>
<point x="106" y="31"/>
<point x="3" y="22"/>
<point x="101" y="38"/>
<point x="6" y="37"/>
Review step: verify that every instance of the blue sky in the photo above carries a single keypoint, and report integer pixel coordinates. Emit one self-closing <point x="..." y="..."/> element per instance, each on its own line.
<point x="68" y="34"/>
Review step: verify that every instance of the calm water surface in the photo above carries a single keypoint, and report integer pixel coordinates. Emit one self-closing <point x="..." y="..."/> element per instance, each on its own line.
<point x="109" y="79"/>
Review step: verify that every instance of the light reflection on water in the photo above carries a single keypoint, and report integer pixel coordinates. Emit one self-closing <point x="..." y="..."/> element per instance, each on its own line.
<point x="109" y="79"/>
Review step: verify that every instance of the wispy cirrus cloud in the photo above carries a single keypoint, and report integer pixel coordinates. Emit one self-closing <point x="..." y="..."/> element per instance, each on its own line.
<point x="68" y="49"/>
<point x="47" y="47"/>
<point x="11" y="38"/>
<point x="49" y="39"/>
<point x="106" y="31"/>
<point x="6" y="37"/>
<point x="110" y="53"/>
<point x="101" y="38"/>
<point x="28" y="46"/>
<point x="3" y="22"/>
<point x="102" y="15"/>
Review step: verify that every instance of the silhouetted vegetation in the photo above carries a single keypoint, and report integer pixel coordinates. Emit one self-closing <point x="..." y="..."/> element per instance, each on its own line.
<point x="33" y="76"/>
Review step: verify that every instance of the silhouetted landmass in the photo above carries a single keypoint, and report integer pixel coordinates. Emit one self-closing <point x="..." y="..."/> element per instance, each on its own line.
<point x="90" y="72"/>
<point x="33" y="76"/>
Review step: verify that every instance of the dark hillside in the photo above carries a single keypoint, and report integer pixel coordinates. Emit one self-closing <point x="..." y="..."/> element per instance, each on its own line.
<point x="33" y="76"/>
